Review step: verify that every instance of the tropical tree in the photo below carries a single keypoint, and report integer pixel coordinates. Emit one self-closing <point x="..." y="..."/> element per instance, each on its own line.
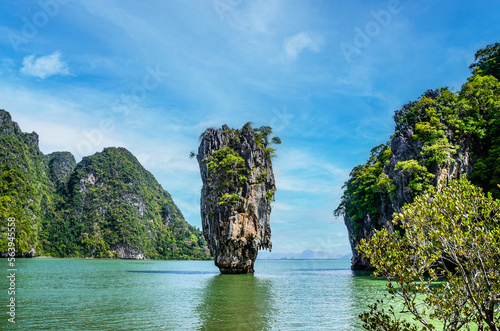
<point x="443" y="265"/>
<point x="487" y="61"/>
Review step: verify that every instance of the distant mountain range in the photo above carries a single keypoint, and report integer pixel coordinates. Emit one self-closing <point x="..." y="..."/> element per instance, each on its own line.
<point x="305" y="255"/>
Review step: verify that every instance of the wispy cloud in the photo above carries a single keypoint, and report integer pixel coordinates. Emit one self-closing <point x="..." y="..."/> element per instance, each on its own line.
<point x="298" y="43"/>
<point x="44" y="66"/>
<point x="272" y="62"/>
<point x="6" y="66"/>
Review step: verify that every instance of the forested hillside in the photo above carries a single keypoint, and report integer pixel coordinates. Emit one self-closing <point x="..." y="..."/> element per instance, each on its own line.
<point x="443" y="135"/>
<point x="107" y="205"/>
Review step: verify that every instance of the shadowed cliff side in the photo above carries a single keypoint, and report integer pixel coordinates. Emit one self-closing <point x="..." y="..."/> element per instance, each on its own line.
<point x="238" y="188"/>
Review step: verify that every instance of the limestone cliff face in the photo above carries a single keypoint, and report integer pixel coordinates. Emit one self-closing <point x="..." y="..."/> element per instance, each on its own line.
<point x="238" y="187"/>
<point x="405" y="147"/>
<point x="125" y="251"/>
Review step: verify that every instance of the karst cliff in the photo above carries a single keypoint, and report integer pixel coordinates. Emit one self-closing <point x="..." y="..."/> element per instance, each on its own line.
<point x="238" y="188"/>
<point x="442" y="136"/>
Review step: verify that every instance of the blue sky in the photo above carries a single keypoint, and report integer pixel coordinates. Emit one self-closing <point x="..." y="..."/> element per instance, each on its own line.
<point x="151" y="76"/>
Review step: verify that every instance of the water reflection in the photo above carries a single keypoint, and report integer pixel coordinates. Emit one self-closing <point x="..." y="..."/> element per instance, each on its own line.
<point x="236" y="302"/>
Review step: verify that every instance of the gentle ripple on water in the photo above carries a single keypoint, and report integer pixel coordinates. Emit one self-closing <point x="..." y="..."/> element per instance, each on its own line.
<point x="77" y="294"/>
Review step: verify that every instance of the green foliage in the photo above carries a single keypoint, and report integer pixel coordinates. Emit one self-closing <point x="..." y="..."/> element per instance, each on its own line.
<point x="419" y="174"/>
<point x="444" y="265"/>
<point x="431" y="116"/>
<point x="362" y="192"/>
<point x="247" y="127"/>
<point x="442" y="119"/>
<point x="26" y="190"/>
<point x="16" y="203"/>
<point x="487" y="61"/>
<point x="380" y="319"/>
<point x="261" y="137"/>
<point x="107" y="200"/>
<point x="482" y="101"/>
<point x="227" y="169"/>
<point x="270" y="195"/>
<point x="115" y="201"/>
<point x="227" y="160"/>
<point x="262" y="177"/>
<point x="229" y="198"/>
<point x="384" y="184"/>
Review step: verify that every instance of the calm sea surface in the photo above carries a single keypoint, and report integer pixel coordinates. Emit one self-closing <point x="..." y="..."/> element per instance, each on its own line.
<point x="77" y="294"/>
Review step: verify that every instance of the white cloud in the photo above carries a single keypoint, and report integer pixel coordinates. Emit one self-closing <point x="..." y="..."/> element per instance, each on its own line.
<point x="299" y="170"/>
<point x="300" y="42"/>
<point x="44" y="66"/>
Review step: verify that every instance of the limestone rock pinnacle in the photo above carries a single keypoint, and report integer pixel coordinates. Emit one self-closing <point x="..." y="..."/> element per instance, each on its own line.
<point x="238" y="188"/>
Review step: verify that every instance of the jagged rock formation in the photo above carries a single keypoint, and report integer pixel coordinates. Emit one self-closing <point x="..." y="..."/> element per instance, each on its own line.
<point x="238" y="187"/>
<point x="442" y="136"/>
<point x="107" y="205"/>
<point x="405" y="147"/>
<point x="411" y="161"/>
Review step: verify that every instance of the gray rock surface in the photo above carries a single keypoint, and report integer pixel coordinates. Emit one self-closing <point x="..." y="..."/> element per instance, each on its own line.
<point x="125" y="251"/>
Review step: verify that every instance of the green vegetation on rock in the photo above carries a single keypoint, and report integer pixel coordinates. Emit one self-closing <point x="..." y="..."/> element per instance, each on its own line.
<point x="362" y="194"/>
<point x="418" y="173"/>
<point x="440" y="133"/>
<point x="228" y="167"/>
<point x="413" y="217"/>
<point x="238" y="188"/>
<point x="107" y="205"/>
<point x="487" y="61"/>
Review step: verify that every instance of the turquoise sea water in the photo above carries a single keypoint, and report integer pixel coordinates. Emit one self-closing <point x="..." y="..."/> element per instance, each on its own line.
<point x="78" y="294"/>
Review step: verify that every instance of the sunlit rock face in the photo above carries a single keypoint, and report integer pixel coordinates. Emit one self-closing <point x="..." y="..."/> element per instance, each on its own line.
<point x="238" y="187"/>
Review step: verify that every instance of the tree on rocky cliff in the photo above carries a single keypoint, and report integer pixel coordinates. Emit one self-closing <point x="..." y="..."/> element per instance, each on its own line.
<point x="488" y="61"/>
<point x="445" y="263"/>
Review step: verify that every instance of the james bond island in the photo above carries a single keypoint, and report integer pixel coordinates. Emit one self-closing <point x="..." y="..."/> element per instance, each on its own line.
<point x="238" y="188"/>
